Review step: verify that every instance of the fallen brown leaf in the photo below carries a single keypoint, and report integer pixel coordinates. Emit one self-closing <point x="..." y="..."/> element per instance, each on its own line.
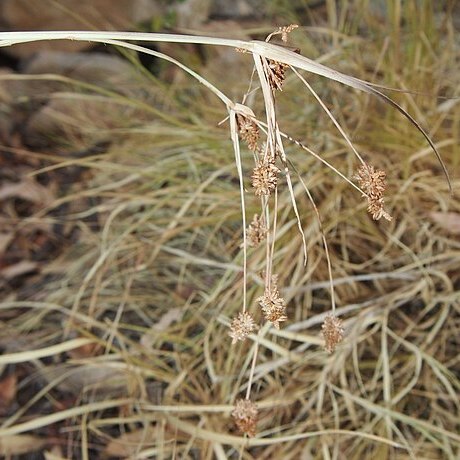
<point x="130" y="443"/>
<point x="21" y="268"/>
<point x="85" y="351"/>
<point x="8" y="388"/>
<point x="102" y="378"/>
<point x="55" y="453"/>
<point x="449" y="221"/>
<point x="27" y="189"/>
<point x="172" y="315"/>
<point x="20" y="444"/>
<point x="5" y="240"/>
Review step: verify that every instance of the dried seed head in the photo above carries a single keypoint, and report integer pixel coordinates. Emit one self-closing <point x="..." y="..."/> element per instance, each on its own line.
<point x="249" y="131"/>
<point x="283" y="31"/>
<point x="373" y="184"/>
<point x="257" y="231"/>
<point x="264" y="177"/>
<point x="287" y="30"/>
<point x="245" y="416"/>
<point x="242" y="326"/>
<point x="375" y="207"/>
<point x="276" y="74"/>
<point x="332" y="332"/>
<point x="272" y="304"/>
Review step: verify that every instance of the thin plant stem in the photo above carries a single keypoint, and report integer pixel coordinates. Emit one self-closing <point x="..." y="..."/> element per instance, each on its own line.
<point x="325" y="245"/>
<point x="253" y="366"/>
<point x="275" y="219"/>
<point x="236" y="148"/>
<point x="329" y="114"/>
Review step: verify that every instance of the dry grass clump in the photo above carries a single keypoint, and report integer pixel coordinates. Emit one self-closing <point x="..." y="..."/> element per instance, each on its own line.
<point x="121" y="345"/>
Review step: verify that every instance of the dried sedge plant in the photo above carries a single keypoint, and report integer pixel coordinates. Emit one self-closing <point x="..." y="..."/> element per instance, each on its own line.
<point x="272" y="75"/>
<point x="245" y="416"/>
<point x="264" y="181"/>
<point x="373" y="183"/>
<point x="265" y="178"/>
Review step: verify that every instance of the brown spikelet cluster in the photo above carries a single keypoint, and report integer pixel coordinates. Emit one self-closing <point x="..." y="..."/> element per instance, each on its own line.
<point x="242" y="326"/>
<point x="285" y="30"/>
<point x="264" y="177"/>
<point x="332" y="332"/>
<point x="249" y="131"/>
<point x="257" y="231"/>
<point x="272" y="304"/>
<point x="276" y="74"/>
<point x="245" y="416"/>
<point x="373" y="183"/>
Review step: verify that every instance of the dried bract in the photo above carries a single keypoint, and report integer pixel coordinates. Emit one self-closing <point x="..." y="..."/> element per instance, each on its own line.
<point x="373" y="183"/>
<point x="272" y="304"/>
<point x="264" y="177"/>
<point x="245" y="416"/>
<point x="257" y="231"/>
<point x="242" y="326"/>
<point x="332" y="332"/>
<point x="249" y="131"/>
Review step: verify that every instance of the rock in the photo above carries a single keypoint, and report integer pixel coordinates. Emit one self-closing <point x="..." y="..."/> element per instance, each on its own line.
<point x="97" y="68"/>
<point x="223" y="62"/>
<point x="71" y="15"/>
<point x="191" y="14"/>
<point x="238" y="9"/>
<point x="70" y="122"/>
<point x="56" y="115"/>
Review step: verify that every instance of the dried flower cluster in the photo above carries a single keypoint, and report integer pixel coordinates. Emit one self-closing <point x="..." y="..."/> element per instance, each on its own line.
<point x="242" y="326"/>
<point x="276" y="74"/>
<point x="257" y="231"/>
<point x="373" y="183"/>
<point x="332" y="332"/>
<point x="272" y="304"/>
<point x="285" y="30"/>
<point x="276" y="70"/>
<point x="245" y="416"/>
<point x="249" y="131"/>
<point x="265" y="177"/>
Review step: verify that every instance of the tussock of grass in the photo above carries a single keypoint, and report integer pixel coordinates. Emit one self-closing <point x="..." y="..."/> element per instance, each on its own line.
<point x="135" y="313"/>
